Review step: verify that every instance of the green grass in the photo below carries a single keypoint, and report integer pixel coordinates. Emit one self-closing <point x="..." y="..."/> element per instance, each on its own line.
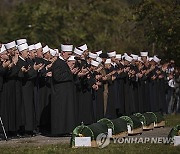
<point x="112" y="148"/>
<point x="171" y="120"/>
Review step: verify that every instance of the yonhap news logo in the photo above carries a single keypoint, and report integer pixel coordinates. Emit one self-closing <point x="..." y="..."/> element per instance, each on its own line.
<point x="144" y="140"/>
<point x="103" y="140"/>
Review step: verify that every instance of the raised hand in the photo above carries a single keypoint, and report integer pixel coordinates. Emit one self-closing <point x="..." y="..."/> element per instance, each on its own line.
<point x="41" y="67"/>
<point x="37" y="66"/>
<point x="48" y="66"/>
<point x="49" y="74"/>
<point x="15" y="59"/>
<point x="6" y="63"/>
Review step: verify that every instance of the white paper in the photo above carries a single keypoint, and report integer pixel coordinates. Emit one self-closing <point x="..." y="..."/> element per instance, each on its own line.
<point x="154" y="124"/>
<point x="176" y="140"/>
<point x="129" y="128"/>
<point x="82" y="141"/>
<point x="109" y="132"/>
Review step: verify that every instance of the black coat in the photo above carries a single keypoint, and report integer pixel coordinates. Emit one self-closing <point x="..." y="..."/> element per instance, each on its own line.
<point x="62" y="104"/>
<point x="28" y="80"/>
<point x="85" y="98"/>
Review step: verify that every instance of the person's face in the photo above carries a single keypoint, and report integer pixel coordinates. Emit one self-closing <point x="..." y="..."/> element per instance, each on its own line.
<point x="144" y="58"/>
<point x="77" y="55"/>
<point x="66" y="55"/>
<point x="25" y="53"/>
<point x="53" y="59"/>
<point x="113" y="59"/>
<point x="137" y="63"/>
<point x="39" y="53"/>
<point x="117" y="61"/>
<point x="152" y="62"/>
<point x="32" y="54"/>
<point x="147" y="64"/>
<point x="85" y="53"/>
<point x="47" y="55"/>
<point x="107" y="66"/>
<point x="71" y="63"/>
<point x="93" y="67"/>
<point x="126" y="62"/>
<point x="133" y="62"/>
<point x="4" y="55"/>
<point x="12" y="51"/>
<point x="103" y="60"/>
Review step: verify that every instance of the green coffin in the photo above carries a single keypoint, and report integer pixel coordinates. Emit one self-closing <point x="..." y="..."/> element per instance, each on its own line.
<point x="157" y="117"/>
<point x="175" y="131"/>
<point x="133" y="121"/>
<point x="92" y="131"/>
<point x="117" y="125"/>
<point x="146" y="118"/>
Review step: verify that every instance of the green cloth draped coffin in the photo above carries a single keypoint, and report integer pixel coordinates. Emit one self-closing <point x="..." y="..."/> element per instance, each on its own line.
<point x="146" y="120"/>
<point x="133" y="121"/>
<point x="158" y="118"/>
<point x="175" y="131"/>
<point x="150" y="119"/>
<point x="92" y="131"/>
<point x="119" y="126"/>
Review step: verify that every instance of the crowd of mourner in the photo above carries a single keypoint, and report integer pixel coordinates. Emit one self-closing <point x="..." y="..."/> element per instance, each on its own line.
<point x="51" y="91"/>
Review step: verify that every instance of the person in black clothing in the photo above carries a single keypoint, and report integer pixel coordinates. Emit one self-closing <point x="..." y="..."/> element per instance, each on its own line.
<point x="62" y="101"/>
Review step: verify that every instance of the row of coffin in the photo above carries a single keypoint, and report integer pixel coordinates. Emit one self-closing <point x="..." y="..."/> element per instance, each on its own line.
<point x="120" y="127"/>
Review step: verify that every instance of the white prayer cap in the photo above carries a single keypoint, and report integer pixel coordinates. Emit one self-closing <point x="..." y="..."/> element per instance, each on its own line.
<point x="125" y="54"/>
<point x="10" y="45"/>
<point x="66" y="48"/>
<point x="128" y="58"/>
<point x="144" y="54"/>
<point x="99" y="52"/>
<point x="92" y="55"/>
<point x="21" y="41"/>
<point x="112" y="54"/>
<point x="32" y="47"/>
<point x="2" y="48"/>
<point x="108" y="61"/>
<point x="99" y="59"/>
<point x="156" y="59"/>
<point x="139" y="59"/>
<point x="45" y="49"/>
<point x="150" y="58"/>
<point x="94" y="63"/>
<point x="57" y="50"/>
<point x="83" y="47"/>
<point x="71" y="58"/>
<point x="135" y="57"/>
<point x="118" y="56"/>
<point x="23" y="47"/>
<point x="78" y="51"/>
<point x="52" y="52"/>
<point x="38" y="46"/>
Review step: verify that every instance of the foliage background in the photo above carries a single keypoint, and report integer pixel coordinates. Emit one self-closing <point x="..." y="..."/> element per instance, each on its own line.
<point x="121" y="25"/>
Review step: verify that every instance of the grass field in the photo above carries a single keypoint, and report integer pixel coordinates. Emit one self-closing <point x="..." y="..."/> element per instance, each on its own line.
<point x="112" y="148"/>
<point x="171" y="120"/>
